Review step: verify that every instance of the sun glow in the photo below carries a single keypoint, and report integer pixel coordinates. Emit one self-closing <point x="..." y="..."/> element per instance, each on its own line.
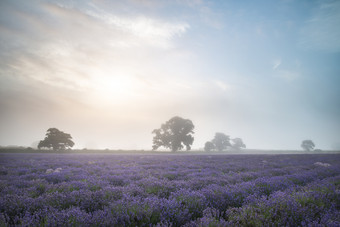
<point x="112" y="86"/>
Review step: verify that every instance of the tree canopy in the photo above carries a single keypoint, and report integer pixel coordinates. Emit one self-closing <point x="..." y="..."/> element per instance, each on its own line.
<point x="209" y="146"/>
<point x="174" y="134"/>
<point x="307" y="145"/>
<point x="238" y="143"/>
<point x="57" y="140"/>
<point x="221" y="141"/>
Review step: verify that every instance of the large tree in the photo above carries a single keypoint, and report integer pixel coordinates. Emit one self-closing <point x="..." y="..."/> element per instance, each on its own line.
<point x="174" y="134"/>
<point x="307" y="145"/>
<point x="56" y="139"/>
<point x="238" y="143"/>
<point x="221" y="141"/>
<point x="209" y="146"/>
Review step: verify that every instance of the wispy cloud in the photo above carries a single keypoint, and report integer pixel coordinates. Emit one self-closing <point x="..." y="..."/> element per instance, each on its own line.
<point x="150" y="30"/>
<point x="100" y="46"/>
<point x="289" y="74"/>
<point x="276" y="63"/>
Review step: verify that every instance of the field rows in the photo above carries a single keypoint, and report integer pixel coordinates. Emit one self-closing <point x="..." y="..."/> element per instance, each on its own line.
<point x="169" y="190"/>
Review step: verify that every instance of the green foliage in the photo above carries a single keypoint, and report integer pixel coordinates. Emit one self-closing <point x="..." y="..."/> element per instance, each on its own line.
<point x="238" y="143"/>
<point x="307" y="145"/>
<point x="56" y="139"/>
<point x="174" y="134"/>
<point x="209" y="146"/>
<point x="221" y="141"/>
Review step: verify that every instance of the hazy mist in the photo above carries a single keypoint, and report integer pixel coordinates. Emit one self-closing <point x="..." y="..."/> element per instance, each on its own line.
<point x="109" y="72"/>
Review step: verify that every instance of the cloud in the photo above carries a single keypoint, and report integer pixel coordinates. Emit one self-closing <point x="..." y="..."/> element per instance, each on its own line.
<point x="276" y="63"/>
<point x="289" y="74"/>
<point x="121" y="68"/>
<point x="73" y="46"/>
<point x="150" y="30"/>
<point x="322" y="31"/>
<point x="105" y="61"/>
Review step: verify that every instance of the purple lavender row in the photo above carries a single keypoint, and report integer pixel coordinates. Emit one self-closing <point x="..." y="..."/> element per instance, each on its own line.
<point x="116" y="190"/>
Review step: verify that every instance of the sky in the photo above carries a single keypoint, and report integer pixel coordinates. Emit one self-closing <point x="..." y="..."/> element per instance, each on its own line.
<point x="109" y="72"/>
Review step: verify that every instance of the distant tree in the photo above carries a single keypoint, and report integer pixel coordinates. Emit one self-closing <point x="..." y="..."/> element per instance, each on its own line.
<point x="307" y="145"/>
<point x="209" y="146"/>
<point x="175" y="133"/>
<point x="56" y="139"/>
<point x="238" y="143"/>
<point x="221" y="141"/>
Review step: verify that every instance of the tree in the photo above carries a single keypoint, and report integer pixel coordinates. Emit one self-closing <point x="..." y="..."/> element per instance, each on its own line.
<point x="175" y="133"/>
<point x="307" y="145"/>
<point x="56" y="139"/>
<point x="221" y="141"/>
<point x="238" y="143"/>
<point x="209" y="146"/>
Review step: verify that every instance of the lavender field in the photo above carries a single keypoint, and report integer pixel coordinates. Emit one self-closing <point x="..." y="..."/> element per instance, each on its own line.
<point x="169" y="190"/>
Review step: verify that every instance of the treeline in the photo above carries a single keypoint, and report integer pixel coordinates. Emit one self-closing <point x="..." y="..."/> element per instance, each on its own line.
<point x="175" y="134"/>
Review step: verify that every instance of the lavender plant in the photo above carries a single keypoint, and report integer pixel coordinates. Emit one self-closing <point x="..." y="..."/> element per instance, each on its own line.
<point x="169" y="190"/>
